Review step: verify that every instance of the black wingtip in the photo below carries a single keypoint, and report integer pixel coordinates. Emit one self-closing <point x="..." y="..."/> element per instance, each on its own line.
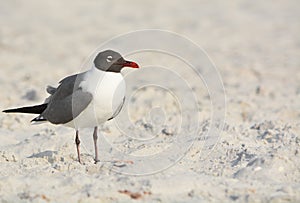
<point x="7" y="111"/>
<point x="38" y="109"/>
<point x="38" y="119"/>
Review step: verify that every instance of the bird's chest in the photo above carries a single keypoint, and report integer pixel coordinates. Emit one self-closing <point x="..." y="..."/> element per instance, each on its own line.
<point x="108" y="91"/>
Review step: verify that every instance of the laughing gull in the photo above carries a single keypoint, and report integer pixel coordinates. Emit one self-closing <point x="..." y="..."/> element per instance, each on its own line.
<point x="86" y="99"/>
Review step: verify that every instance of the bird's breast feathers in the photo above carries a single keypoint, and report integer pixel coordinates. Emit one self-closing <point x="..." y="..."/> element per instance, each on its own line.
<point x="108" y="90"/>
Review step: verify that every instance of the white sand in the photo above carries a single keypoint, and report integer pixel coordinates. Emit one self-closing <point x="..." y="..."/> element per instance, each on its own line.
<point x="256" y="48"/>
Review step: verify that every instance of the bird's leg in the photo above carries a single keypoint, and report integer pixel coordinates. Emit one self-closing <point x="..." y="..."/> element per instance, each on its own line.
<point x="77" y="141"/>
<point x="95" y="137"/>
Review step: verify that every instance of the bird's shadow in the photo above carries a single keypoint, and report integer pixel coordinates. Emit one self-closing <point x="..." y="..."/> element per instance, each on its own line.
<point x="48" y="154"/>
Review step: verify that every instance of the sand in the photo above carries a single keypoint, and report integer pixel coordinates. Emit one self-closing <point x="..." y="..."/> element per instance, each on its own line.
<point x="165" y="155"/>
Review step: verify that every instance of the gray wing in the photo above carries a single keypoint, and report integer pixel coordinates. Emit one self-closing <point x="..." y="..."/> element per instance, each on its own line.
<point x="67" y="101"/>
<point x="51" y="90"/>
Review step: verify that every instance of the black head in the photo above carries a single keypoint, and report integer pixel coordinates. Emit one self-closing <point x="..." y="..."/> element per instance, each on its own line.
<point x="112" y="61"/>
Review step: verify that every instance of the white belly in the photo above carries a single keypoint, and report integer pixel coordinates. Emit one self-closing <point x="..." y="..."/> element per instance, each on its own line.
<point x="108" y="95"/>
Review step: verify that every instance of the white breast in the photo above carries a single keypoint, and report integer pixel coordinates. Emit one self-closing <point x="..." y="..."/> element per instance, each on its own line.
<point x="108" y="90"/>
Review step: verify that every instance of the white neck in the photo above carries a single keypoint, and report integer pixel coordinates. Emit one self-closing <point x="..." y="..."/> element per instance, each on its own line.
<point x="95" y="77"/>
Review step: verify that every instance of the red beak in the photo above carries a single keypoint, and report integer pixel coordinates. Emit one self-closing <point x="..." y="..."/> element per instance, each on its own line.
<point x="130" y="64"/>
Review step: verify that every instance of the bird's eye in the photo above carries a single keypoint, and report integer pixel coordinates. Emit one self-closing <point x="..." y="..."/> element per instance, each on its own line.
<point x="109" y="59"/>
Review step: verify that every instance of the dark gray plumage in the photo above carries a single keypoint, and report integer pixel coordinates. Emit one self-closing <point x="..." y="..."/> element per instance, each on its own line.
<point x="66" y="102"/>
<point x="111" y="61"/>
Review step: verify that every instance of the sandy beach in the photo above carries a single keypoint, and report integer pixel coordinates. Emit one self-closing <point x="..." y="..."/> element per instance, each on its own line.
<point x="162" y="148"/>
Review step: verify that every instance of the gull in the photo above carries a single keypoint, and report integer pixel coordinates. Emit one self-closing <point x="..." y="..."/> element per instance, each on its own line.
<point x="86" y="99"/>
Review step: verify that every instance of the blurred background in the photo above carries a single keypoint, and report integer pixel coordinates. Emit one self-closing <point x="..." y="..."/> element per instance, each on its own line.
<point x="255" y="46"/>
<point x="44" y="41"/>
